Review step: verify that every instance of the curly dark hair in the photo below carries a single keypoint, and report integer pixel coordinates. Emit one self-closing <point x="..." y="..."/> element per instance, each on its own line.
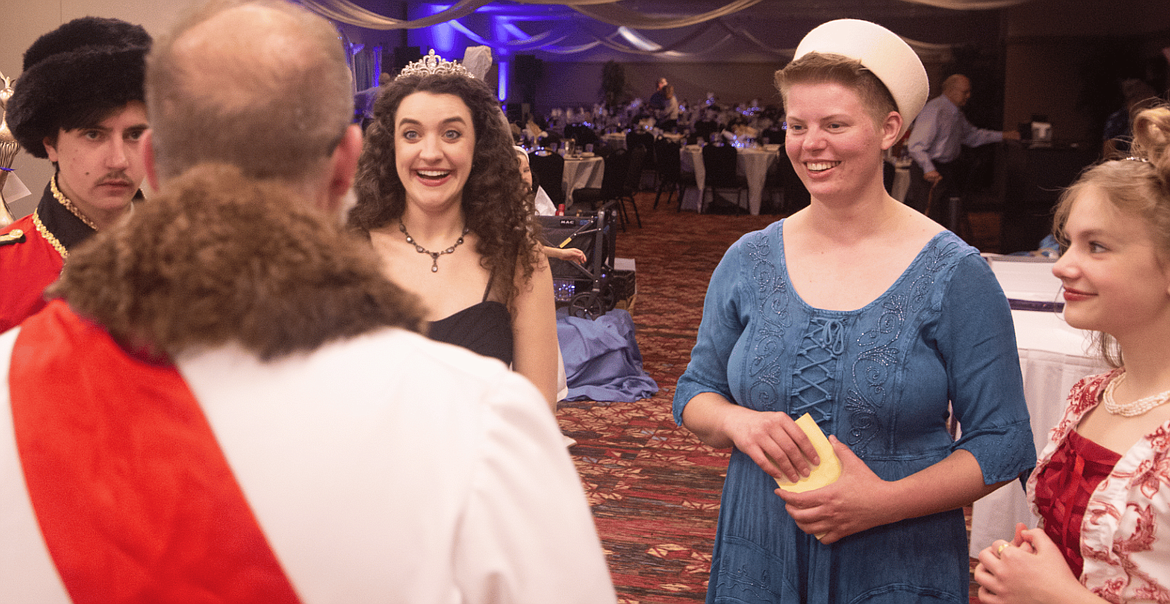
<point x="495" y="203"/>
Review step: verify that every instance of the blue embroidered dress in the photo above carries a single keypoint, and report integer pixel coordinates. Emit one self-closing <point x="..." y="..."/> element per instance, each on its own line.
<point x="879" y="378"/>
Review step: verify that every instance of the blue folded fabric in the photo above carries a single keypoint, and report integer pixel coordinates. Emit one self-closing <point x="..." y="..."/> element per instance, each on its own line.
<point x="602" y="360"/>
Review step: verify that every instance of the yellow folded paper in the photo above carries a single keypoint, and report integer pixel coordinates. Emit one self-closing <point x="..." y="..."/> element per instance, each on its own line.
<point x="822" y="475"/>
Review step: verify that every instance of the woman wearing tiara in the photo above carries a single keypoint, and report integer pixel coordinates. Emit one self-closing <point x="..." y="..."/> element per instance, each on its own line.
<point x="1102" y="486"/>
<point x="440" y="196"/>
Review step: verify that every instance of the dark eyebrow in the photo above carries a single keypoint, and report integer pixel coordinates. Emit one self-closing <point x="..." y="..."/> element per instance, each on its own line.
<point x="414" y="122"/>
<point x="102" y="128"/>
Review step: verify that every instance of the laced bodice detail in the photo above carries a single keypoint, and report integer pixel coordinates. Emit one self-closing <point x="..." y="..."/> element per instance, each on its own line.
<point x="867" y="341"/>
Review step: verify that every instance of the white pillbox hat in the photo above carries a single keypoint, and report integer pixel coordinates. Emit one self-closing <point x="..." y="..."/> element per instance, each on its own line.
<point x="879" y="50"/>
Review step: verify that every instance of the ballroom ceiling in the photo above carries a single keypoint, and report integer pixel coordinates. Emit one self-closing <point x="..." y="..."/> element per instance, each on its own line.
<point x="765" y="31"/>
<point x="796" y="9"/>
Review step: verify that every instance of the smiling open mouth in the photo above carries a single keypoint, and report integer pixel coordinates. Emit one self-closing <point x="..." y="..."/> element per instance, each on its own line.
<point x="432" y="174"/>
<point x="820" y="166"/>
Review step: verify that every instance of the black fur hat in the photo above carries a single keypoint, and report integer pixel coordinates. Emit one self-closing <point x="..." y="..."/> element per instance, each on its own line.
<point x="77" y="72"/>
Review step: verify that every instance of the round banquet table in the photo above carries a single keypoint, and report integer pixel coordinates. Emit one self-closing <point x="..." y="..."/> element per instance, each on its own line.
<point x="753" y="164"/>
<point x="1053" y="357"/>
<point x="584" y="171"/>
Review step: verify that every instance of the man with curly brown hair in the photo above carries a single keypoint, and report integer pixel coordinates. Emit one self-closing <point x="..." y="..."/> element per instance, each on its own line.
<point x="231" y="403"/>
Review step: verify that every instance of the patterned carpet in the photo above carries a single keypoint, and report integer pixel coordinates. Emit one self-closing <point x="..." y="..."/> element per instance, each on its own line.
<point x="653" y="486"/>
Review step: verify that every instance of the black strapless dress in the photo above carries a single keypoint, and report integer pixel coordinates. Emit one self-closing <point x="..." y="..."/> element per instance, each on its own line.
<point x="485" y="328"/>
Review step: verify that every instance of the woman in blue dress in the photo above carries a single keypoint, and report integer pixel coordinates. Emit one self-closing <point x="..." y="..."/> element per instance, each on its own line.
<point x="876" y="321"/>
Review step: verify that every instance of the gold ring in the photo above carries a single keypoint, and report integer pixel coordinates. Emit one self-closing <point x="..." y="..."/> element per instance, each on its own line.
<point x="1000" y="550"/>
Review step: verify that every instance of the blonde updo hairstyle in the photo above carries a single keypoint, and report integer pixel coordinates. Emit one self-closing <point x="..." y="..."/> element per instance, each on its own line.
<point x="1138" y="185"/>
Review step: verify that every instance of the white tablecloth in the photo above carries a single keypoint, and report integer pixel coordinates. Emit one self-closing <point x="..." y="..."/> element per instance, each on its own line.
<point x="753" y="164"/>
<point x="581" y="172"/>
<point x="1053" y="356"/>
<point x="615" y="140"/>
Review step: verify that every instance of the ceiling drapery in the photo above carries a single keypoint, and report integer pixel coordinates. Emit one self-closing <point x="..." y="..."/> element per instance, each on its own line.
<point x="608" y="12"/>
<point x="352" y="14"/>
<point x="969" y="4"/>
<point x="624" y="17"/>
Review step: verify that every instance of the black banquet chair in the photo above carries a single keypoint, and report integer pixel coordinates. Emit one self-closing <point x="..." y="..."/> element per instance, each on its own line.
<point x="644" y="139"/>
<point x="720" y="162"/>
<point x="618" y="185"/>
<point x="584" y="135"/>
<point x="549" y="169"/>
<point x="633" y="181"/>
<point x="670" y="175"/>
<point x="589" y="200"/>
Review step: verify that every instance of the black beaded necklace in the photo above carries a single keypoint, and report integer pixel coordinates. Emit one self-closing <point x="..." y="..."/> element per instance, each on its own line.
<point x="434" y="255"/>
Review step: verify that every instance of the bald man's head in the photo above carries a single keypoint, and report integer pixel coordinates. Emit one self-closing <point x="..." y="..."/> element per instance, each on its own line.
<point x="957" y="88"/>
<point x="261" y="85"/>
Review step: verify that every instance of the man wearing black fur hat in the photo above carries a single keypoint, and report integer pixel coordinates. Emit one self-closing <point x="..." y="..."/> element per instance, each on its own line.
<point x="80" y="104"/>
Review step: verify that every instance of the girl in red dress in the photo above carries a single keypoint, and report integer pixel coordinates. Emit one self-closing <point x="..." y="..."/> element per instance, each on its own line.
<point x="1102" y="485"/>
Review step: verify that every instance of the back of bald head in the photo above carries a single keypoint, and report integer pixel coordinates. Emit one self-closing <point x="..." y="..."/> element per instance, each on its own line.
<point x="262" y="85"/>
<point x="954" y="81"/>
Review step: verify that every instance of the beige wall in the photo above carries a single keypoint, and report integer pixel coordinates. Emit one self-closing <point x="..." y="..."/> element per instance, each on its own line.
<point x="1048" y="43"/>
<point x="1041" y="78"/>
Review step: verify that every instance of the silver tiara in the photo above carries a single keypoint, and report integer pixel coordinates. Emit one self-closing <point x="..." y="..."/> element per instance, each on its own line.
<point x="433" y="64"/>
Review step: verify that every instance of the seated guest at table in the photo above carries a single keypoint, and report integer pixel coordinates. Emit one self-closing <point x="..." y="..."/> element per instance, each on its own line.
<point x="232" y="404"/>
<point x="1102" y="486"/>
<point x="875" y="320"/>
<point x="440" y="196"/>
<point x="79" y="104"/>
<point x="706" y="124"/>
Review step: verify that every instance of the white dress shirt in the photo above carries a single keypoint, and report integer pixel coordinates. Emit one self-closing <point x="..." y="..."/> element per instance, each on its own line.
<point x="939" y="131"/>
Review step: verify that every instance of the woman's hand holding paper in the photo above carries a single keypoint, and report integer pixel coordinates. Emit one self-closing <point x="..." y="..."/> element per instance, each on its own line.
<point x="773" y="441"/>
<point x="856" y="501"/>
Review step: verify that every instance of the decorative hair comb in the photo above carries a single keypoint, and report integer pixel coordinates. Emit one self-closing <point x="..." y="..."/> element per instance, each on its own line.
<point x="433" y="64"/>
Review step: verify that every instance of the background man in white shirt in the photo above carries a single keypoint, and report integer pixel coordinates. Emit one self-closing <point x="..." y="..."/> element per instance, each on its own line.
<point x="936" y="140"/>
